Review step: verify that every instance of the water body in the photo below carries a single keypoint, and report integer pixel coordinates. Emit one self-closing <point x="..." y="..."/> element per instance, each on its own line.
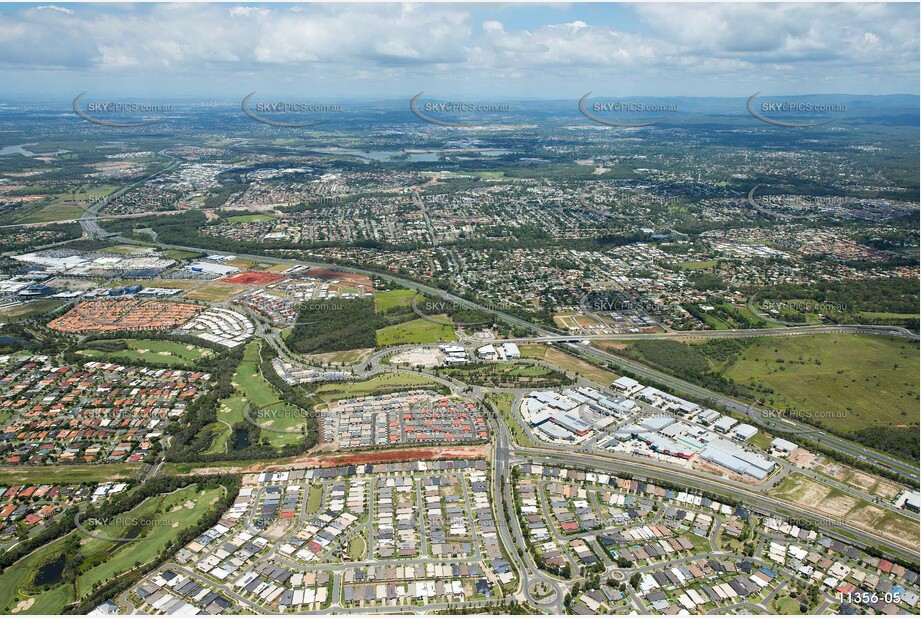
<point x="428" y="156"/>
<point x="50" y="573"/>
<point x="240" y="440"/>
<point x="21" y="149"/>
<point x="11" y="341"/>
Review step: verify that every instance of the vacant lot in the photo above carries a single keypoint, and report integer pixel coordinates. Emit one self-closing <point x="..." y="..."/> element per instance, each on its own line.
<point x="384" y="383"/>
<point x="819" y="373"/>
<point x="388" y="299"/>
<point x="250" y="218"/>
<point x="417" y="331"/>
<point x="568" y="362"/>
<point x="213" y="292"/>
<point x="26" y="311"/>
<point x="838" y="506"/>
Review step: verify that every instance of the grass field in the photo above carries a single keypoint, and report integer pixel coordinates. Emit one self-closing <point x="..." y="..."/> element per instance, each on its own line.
<point x="386" y="382"/>
<point x="356" y="548"/>
<point x="314" y="499"/>
<point x="568" y="362"/>
<point x="213" y="292"/>
<point x="100" y="559"/>
<point x="785" y="605"/>
<point x="26" y="311"/>
<point x="343" y="357"/>
<point x="61" y="209"/>
<point x="250" y="218"/>
<point x="508" y="375"/>
<point x="145" y="350"/>
<point x="128" y="249"/>
<point x="503" y="403"/>
<point x="179" y="254"/>
<point x="388" y="299"/>
<point x="416" y="331"/>
<point x="19" y="475"/>
<point x="819" y="373"/>
<point x="697" y="265"/>
<point x="173" y="284"/>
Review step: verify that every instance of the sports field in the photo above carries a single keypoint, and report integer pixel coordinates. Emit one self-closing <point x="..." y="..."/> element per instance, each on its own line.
<point x="251" y="387"/>
<point x="96" y="559"/>
<point x="147" y="350"/>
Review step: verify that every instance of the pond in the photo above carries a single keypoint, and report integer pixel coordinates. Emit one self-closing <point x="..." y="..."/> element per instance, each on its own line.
<point x="50" y="573"/>
<point x="240" y="439"/>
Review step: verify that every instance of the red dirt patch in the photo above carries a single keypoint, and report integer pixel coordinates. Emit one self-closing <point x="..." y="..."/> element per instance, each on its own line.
<point x="249" y="277"/>
<point x="373" y="457"/>
<point x="324" y="274"/>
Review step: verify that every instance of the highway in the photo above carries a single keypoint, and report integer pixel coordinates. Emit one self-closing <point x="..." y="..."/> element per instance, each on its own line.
<point x="755" y="414"/>
<point x="506" y="453"/>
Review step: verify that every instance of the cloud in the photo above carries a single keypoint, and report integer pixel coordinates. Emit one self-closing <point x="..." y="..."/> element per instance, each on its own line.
<point x="663" y="43"/>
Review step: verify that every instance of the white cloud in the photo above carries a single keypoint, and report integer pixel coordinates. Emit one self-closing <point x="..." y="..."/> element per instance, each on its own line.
<point x="672" y="44"/>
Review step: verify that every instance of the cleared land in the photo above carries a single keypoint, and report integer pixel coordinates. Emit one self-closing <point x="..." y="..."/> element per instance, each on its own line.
<point x="213" y="292"/>
<point x="388" y="299"/>
<point x="568" y="362"/>
<point x="250" y="218"/>
<point x="818" y="373"/>
<point x="836" y="505"/>
<point x="68" y="473"/>
<point x="417" y="331"/>
<point x="384" y="383"/>
<point x="26" y="311"/>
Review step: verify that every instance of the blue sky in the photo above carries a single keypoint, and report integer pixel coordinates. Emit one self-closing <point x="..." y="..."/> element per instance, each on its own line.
<point x="475" y="51"/>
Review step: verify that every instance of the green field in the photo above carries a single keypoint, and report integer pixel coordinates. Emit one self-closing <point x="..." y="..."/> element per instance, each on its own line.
<point x="503" y="403"/>
<point x="697" y="265"/>
<point x="568" y="362"/>
<point x="149" y="351"/>
<point x="819" y="373"/>
<point x="128" y="249"/>
<point x="68" y="473"/>
<point x="29" y="310"/>
<point x="250" y="218"/>
<point x="416" y="331"/>
<point x="509" y="375"/>
<point x="387" y="382"/>
<point x="179" y="254"/>
<point x="356" y="548"/>
<point x="388" y="299"/>
<point x="97" y="560"/>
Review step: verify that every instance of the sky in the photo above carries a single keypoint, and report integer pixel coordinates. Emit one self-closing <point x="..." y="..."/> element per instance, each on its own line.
<point x="470" y="51"/>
